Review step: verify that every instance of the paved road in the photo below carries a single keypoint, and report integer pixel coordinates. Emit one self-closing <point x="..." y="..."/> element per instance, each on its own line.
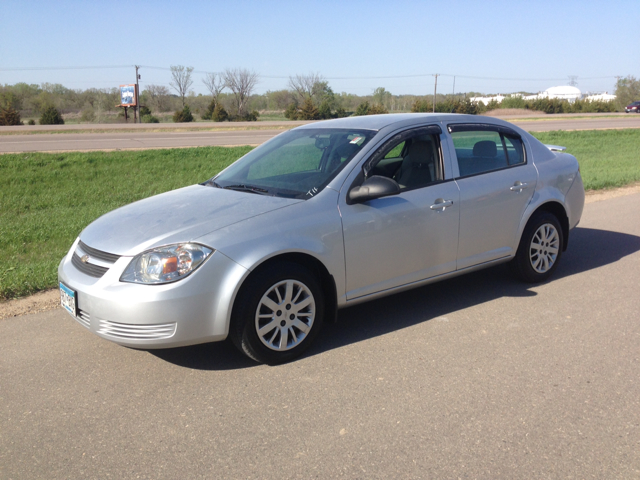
<point x="173" y="139"/>
<point x="130" y="140"/>
<point x="475" y="377"/>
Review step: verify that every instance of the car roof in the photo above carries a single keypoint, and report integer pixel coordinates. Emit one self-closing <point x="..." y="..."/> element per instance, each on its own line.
<point x="378" y="122"/>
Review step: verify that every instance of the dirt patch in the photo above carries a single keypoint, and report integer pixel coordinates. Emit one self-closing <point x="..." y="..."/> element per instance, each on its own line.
<point x="40" y="302"/>
<point x="599" y="195"/>
<point x="50" y="299"/>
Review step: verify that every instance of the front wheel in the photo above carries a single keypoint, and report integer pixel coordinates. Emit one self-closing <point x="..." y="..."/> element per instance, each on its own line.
<point x="277" y="313"/>
<point x="540" y="248"/>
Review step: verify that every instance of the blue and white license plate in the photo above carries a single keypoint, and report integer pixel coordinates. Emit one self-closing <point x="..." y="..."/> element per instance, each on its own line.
<point x="68" y="299"/>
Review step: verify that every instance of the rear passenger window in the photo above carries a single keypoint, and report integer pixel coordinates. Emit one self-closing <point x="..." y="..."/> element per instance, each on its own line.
<point x="479" y="152"/>
<point x="485" y="150"/>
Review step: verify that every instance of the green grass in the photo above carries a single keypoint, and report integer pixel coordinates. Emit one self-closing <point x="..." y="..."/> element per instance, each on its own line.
<point x="608" y="158"/>
<point x="46" y="199"/>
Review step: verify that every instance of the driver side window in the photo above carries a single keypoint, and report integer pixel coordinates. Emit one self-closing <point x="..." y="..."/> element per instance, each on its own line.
<point x="413" y="160"/>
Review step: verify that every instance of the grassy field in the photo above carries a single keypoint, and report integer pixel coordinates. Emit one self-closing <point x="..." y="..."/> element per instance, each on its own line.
<point x="608" y="158"/>
<point x="47" y="199"/>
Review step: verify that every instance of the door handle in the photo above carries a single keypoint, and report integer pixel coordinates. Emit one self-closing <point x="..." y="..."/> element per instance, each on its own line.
<point x="441" y="204"/>
<point x="518" y="187"/>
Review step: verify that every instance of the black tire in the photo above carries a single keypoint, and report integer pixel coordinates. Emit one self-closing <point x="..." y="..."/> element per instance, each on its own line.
<point x="285" y="337"/>
<point x="540" y="248"/>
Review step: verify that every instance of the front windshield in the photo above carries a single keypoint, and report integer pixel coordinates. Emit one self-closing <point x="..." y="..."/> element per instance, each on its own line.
<point x="296" y="164"/>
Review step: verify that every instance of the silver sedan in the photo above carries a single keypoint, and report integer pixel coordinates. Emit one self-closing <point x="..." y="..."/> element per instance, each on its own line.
<point x="322" y="217"/>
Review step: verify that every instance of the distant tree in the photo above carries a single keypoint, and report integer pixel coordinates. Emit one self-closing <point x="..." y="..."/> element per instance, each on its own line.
<point x="242" y="83"/>
<point x="10" y="99"/>
<point x="377" y="109"/>
<point x="149" y="119"/>
<point x="363" y="109"/>
<point x="214" y="83"/>
<point x="292" y="111"/>
<point x="181" y="81"/>
<point x="279" y="99"/>
<point x="322" y="92"/>
<point x="208" y="113"/>
<point x="340" y="113"/>
<point x="158" y="97"/>
<point x="308" y="111"/>
<point x="366" y="109"/>
<point x="492" y="105"/>
<point x="303" y="85"/>
<point x="219" y="114"/>
<point x="9" y="116"/>
<point x="51" y="116"/>
<point x="381" y="96"/>
<point x="324" y="110"/>
<point x="183" y="116"/>
<point x="422" y="106"/>
<point x="627" y="91"/>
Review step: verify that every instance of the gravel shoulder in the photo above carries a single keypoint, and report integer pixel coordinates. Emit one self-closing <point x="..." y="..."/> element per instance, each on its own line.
<point x="50" y="299"/>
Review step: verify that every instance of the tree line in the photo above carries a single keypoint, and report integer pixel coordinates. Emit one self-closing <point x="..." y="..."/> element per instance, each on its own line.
<point x="232" y="97"/>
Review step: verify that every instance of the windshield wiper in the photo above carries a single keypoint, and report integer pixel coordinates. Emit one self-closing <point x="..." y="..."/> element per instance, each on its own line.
<point x="247" y="188"/>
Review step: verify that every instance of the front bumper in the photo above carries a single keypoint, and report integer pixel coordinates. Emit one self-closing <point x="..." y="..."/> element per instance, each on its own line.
<point x="193" y="310"/>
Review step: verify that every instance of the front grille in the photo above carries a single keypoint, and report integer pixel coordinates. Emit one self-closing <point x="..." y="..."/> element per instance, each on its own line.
<point x="84" y="318"/>
<point x="137" y="332"/>
<point x="92" y="252"/>
<point x="96" y="257"/>
<point x="88" y="268"/>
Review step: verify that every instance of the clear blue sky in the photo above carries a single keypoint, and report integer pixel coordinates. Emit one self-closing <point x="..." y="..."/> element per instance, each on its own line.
<point x="514" y="45"/>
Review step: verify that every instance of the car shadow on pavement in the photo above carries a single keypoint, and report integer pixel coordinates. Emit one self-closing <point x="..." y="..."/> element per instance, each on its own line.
<point x="588" y="249"/>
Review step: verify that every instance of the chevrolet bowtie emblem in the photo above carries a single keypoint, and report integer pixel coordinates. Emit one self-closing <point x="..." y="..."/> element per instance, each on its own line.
<point x="84" y="258"/>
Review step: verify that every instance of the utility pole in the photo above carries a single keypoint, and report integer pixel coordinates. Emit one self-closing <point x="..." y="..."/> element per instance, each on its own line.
<point x="454" y="86"/>
<point x="435" y="90"/>
<point x="138" y="94"/>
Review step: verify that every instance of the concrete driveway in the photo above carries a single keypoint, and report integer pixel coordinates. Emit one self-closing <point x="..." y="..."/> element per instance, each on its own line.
<point x="475" y="377"/>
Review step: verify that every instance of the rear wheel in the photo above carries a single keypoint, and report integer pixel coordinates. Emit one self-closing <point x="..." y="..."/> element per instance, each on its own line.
<point x="540" y="248"/>
<point x="277" y="313"/>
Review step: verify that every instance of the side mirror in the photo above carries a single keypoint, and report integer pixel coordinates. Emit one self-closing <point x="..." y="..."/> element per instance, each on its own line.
<point x="374" y="187"/>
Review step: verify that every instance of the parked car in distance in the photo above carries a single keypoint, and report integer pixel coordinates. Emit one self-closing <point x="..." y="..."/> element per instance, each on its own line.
<point x="322" y="217"/>
<point x="633" y="107"/>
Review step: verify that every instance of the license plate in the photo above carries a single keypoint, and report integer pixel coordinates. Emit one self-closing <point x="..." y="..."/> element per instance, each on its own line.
<point x="68" y="299"/>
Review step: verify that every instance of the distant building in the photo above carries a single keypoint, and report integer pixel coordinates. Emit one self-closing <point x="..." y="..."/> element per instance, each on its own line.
<point x="601" y="97"/>
<point x="565" y="92"/>
<point x="485" y="100"/>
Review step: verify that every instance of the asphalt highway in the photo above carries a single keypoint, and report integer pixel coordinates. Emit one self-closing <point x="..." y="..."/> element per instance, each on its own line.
<point x="172" y="136"/>
<point x="475" y="377"/>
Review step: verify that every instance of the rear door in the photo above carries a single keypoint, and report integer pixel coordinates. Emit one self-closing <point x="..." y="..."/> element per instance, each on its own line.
<point x="496" y="182"/>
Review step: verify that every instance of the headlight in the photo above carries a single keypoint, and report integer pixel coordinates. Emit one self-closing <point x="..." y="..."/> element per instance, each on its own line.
<point x="165" y="264"/>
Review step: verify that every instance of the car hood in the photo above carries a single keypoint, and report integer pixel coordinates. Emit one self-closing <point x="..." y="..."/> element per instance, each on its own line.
<point x="178" y="216"/>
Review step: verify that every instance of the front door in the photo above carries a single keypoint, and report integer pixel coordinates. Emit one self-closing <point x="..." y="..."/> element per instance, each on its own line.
<point x="404" y="238"/>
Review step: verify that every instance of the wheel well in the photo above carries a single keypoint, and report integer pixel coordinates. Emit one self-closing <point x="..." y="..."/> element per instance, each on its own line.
<point x="558" y="210"/>
<point x="327" y="281"/>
